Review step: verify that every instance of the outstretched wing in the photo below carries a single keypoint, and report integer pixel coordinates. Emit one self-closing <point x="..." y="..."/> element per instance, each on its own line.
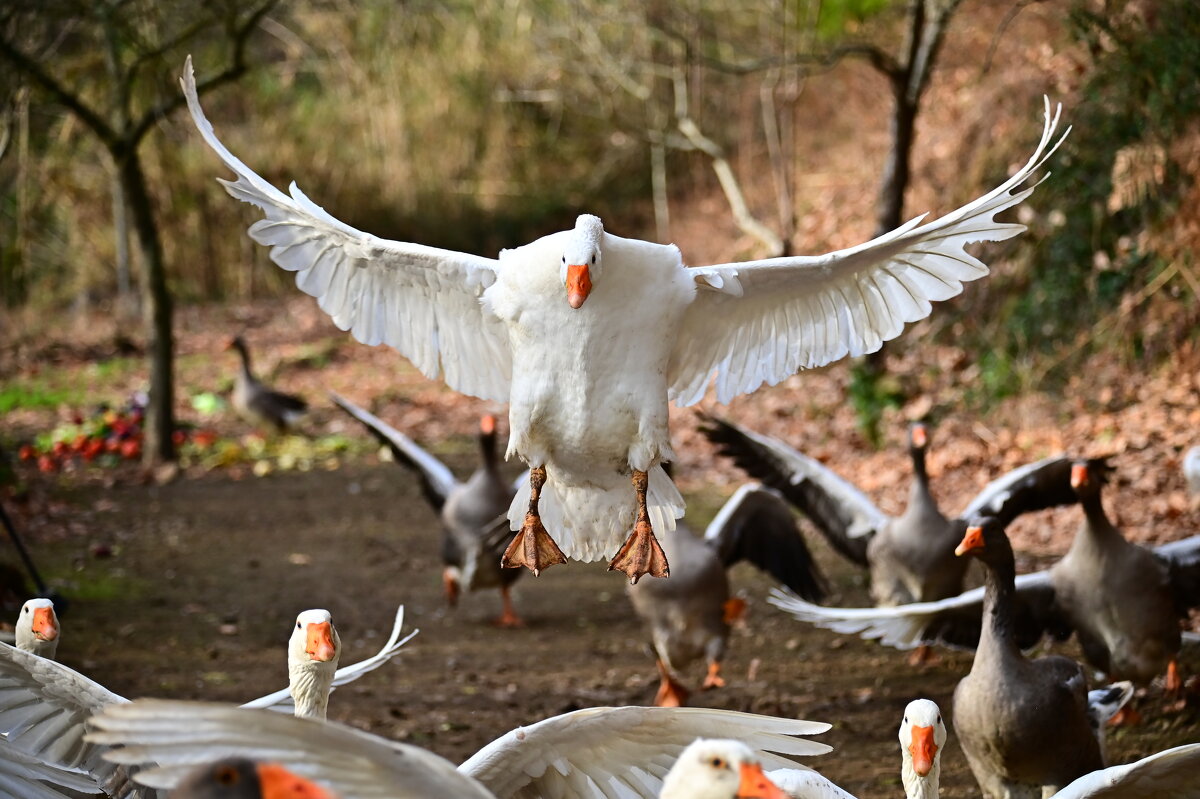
<point x="423" y="301"/>
<point x="757" y="525"/>
<point x="178" y="736"/>
<point x="626" y="751"/>
<point x="1171" y="774"/>
<point x="437" y="481"/>
<point x="1035" y="486"/>
<point x="27" y="777"/>
<point x="282" y="699"/>
<point x="843" y="514"/>
<point x="43" y="707"/>
<point x="761" y="321"/>
<point x="953" y="622"/>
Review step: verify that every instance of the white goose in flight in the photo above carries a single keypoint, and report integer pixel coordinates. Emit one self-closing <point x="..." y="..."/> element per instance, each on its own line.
<point x="588" y="336"/>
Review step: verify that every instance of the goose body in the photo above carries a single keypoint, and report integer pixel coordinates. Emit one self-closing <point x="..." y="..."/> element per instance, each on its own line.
<point x="690" y="614"/>
<point x="911" y="558"/>
<point x="1130" y="630"/>
<point x="475" y="528"/>
<point x="1023" y="724"/>
<point x="37" y="628"/>
<point x="260" y="404"/>
<point x="628" y="750"/>
<point x="588" y="336"/>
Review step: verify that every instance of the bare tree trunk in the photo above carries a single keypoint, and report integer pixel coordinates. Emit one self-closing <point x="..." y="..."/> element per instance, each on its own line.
<point x="156" y="311"/>
<point x="897" y="169"/>
<point x="125" y="300"/>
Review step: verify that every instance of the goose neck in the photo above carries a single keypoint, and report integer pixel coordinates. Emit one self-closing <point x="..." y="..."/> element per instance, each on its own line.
<point x="310" y="685"/>
<point x="917" y="787"/>
<point x="998" y="634"/>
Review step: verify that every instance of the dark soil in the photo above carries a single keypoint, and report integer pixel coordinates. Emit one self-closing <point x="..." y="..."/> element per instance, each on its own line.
<point x="188" y="590"/>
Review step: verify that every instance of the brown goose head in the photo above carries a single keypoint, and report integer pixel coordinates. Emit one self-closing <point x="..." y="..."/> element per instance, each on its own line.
<point x="239" y="778"/>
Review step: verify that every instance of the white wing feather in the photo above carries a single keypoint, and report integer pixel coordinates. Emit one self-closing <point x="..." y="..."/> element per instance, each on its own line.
<point x="423" y="301"/>
<point x="177" y="736"/>
<point x="624" y="751"/>
<point x="901" y="626"/>
<point x="43" y="707"/>
<point x="762" y="321"/>
<point x="1171" y="774"/>
<point x="27" y="777"/>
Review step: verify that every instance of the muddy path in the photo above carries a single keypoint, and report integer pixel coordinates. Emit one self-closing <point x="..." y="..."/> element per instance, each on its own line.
<point x="189" y="591"/>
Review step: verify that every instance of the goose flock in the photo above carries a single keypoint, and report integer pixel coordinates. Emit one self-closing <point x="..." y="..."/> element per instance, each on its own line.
<point x="588" y="337"/>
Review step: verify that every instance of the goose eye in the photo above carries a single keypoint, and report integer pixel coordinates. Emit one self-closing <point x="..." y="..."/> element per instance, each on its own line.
<point x="717" y="762"/>
<point x="297" y="625"/>
<point x="939" y="721"/>
<point x="24" y="610"/>
<point x="906" y="719"/>
<point x="564" y="259"/>
<point x="227" y="775"/>
<point x="593" y="259"/>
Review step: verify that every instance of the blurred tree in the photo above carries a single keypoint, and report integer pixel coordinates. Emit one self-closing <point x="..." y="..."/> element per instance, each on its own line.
<point x="112" y="64"/>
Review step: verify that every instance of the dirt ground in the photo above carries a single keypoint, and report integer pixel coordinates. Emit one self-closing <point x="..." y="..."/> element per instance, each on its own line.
<point x="188" y="590"/>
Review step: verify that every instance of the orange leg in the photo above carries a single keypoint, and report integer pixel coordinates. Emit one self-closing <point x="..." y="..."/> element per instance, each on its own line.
<point x="533" y="547"/>
<point x="509" y="617"/>
<point x="450" y="587"/>
<point x="640" y="554"/>
<point x="1174" y="683"/>
<point x="670" y="693"/>
<point x="714" y="679"/>
<point x="923" y="655"/>
<point x="1126" y="717"/>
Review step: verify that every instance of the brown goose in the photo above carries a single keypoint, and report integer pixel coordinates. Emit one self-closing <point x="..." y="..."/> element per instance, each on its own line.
<point x="259" y="404"/>
<point x="475" y="528"/>
<point x="1129" y="631"/>
<point x="1023" y="724"/>
<point x="690" y="613"/>
<point x="911" y="556"/>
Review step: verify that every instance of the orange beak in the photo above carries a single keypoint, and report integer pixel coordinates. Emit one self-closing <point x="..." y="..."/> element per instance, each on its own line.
<point x="922" y="749"/>
<point x="755" y="784"/>
<point x="1079" y="475"/>
<point x="920" y="437"/>
<point x="319" y="642"/>
<point x="972" y="540"/>
<point x="579" y="284"/>
<point x="276" y="782"/>
<point x="487" y="425"/>
<point x="45" y="626"/>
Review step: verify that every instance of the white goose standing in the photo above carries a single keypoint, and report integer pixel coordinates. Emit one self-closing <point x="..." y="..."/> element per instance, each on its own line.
<point x="588" y="336"/>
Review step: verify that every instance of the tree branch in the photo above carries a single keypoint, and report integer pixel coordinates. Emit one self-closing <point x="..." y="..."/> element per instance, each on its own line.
<point x="61" y="95"/>
<point x="235" y="70"/>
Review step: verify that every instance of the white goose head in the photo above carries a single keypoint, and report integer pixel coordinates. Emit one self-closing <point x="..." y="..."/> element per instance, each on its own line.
<point x="313" y="652"/>
<point x="718" y="769"/>
<point x="581" y="259"/>
<point x="922" y="736"/>
<point x="37" y="628"/>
